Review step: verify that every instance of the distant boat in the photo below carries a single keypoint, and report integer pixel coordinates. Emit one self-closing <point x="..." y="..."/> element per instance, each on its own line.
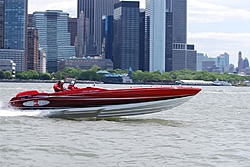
<point x="221" y="83"/>
<point x="243" y="84"/>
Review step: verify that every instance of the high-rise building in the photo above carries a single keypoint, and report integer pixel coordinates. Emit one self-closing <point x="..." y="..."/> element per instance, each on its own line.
<point x="107" y="37"/>
<point x="41" y="61"/>
<point x="199" y="59"/>
<point x="18" y="57"/>
<point x="245" y="63"/>
<point x="126" y="35"/>
<point x="94" y="10"/>
<point x="222" y="61"/>
<point x="30" y="20"/>
<point x="142" y="55"/>
<point x="156" y="33"/>
<point x="240" y="62"/>
<point x="84" y="44"/>
<point x="32" y="52"/>
<point x="53" y="36"/>
<point x="72" y="28"/>
<point x="15" y="29"/>
<point x="184" y="55"/>
<point x="1" y="24"/>
<point x="169" y="37"/>
<point x="179" y="34"/>
<point x="166" y="36"/>
<point x="15" y="24"/>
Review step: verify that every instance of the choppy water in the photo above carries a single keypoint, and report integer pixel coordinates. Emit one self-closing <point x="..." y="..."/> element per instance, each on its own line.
<point x="210" y="130"/>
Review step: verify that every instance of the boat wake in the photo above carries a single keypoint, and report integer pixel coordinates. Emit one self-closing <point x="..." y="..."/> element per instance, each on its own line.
<point x="8" y="111"/>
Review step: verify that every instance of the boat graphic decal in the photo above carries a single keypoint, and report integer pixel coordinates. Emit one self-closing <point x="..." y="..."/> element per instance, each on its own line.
<point x="36" y="103"/>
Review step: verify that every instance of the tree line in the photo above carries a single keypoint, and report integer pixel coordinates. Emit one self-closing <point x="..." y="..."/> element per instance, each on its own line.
<point x="137" y="76"/>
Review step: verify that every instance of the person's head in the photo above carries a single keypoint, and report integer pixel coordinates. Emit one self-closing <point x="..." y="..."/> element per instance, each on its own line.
<point x="72" y="83"/>
<point x="62" y="82"/>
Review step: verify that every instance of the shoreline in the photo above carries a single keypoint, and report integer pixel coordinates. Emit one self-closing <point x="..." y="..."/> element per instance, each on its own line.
<point x="98" y="82"/>
<point x="48" y="81"/>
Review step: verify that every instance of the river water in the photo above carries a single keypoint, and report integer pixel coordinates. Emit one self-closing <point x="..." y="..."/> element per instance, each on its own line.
<point x="210" y="130"/>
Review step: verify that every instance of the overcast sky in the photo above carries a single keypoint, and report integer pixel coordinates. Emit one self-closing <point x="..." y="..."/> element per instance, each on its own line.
<point x="214" y="26"/>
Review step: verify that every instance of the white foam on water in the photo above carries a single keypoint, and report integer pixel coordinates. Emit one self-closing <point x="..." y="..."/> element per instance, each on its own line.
<point x="8" y="111"/>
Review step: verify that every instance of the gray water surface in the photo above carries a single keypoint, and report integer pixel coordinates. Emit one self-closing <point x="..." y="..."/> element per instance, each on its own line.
<point x="210" y="130"/>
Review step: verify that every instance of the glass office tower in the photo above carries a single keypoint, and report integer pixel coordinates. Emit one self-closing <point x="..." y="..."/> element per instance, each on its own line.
<point x="107" y="37"/>
<point x="15" y="24"/>
<point x="53" y="36"/>
<point x="126" y="35"/>
<point x="156" y="31"/>
<point x="94" y="10"/>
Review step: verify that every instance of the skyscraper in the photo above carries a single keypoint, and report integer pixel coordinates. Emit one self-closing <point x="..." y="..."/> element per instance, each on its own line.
<point x="15" y="24"/>
<point x="94" y="10"/>
<point x="142" y="56"/>
<point x="166" y="36"/>
<point x="126" y="35"/>
<point x="156" y="32"/>
<point x="53" y="36"/>
<point x="169" y="37"/>
<point x="32" y="51"/>
<point x="240" y="62"/>
<point x="72" y="28"/>
<point x="83" y="35"/>
<point x="15" y="29"/>
<point x="1" y="24"/>
<point x="184" y="56"/>
<point x="107" y="37"/>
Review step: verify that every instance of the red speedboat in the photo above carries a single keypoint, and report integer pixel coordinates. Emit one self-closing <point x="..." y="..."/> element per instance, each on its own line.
<point x="104" y="102"/>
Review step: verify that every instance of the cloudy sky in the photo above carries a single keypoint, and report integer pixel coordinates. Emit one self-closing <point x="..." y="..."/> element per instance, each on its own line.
<point x="214" y="27"/>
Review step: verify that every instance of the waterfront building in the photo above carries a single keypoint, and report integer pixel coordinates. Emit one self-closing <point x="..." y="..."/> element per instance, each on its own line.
<point x="208" y="64"/>
<point x="94" y="10"/>
<point x="53" y="36"/>
<point x="86" y="63"/>
<point x="107" y="37"/>
<point x="8" y="65"/>
<point x="17" y="56"/>
<point x="126" y="35"/>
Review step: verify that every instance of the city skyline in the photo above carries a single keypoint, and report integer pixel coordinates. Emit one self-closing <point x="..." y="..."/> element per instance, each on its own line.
<point x="213" y="27"/>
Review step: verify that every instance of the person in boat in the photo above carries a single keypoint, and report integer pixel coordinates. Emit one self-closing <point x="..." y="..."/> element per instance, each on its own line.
<point x="58" y="87"/>
<point x="72" y="85"/>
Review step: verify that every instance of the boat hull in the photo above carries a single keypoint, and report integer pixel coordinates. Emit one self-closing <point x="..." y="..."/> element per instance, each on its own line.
<point x="118" y="110"/>
<point x="104" y="102"/>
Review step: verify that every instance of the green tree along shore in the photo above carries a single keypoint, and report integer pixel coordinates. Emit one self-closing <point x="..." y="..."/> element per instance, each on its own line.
<point x="138" y="76"/>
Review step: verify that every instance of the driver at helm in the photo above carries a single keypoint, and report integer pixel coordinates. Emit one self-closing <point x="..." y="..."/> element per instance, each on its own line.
<point x="58" y="87"/>
<point x="72" y="86"/>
